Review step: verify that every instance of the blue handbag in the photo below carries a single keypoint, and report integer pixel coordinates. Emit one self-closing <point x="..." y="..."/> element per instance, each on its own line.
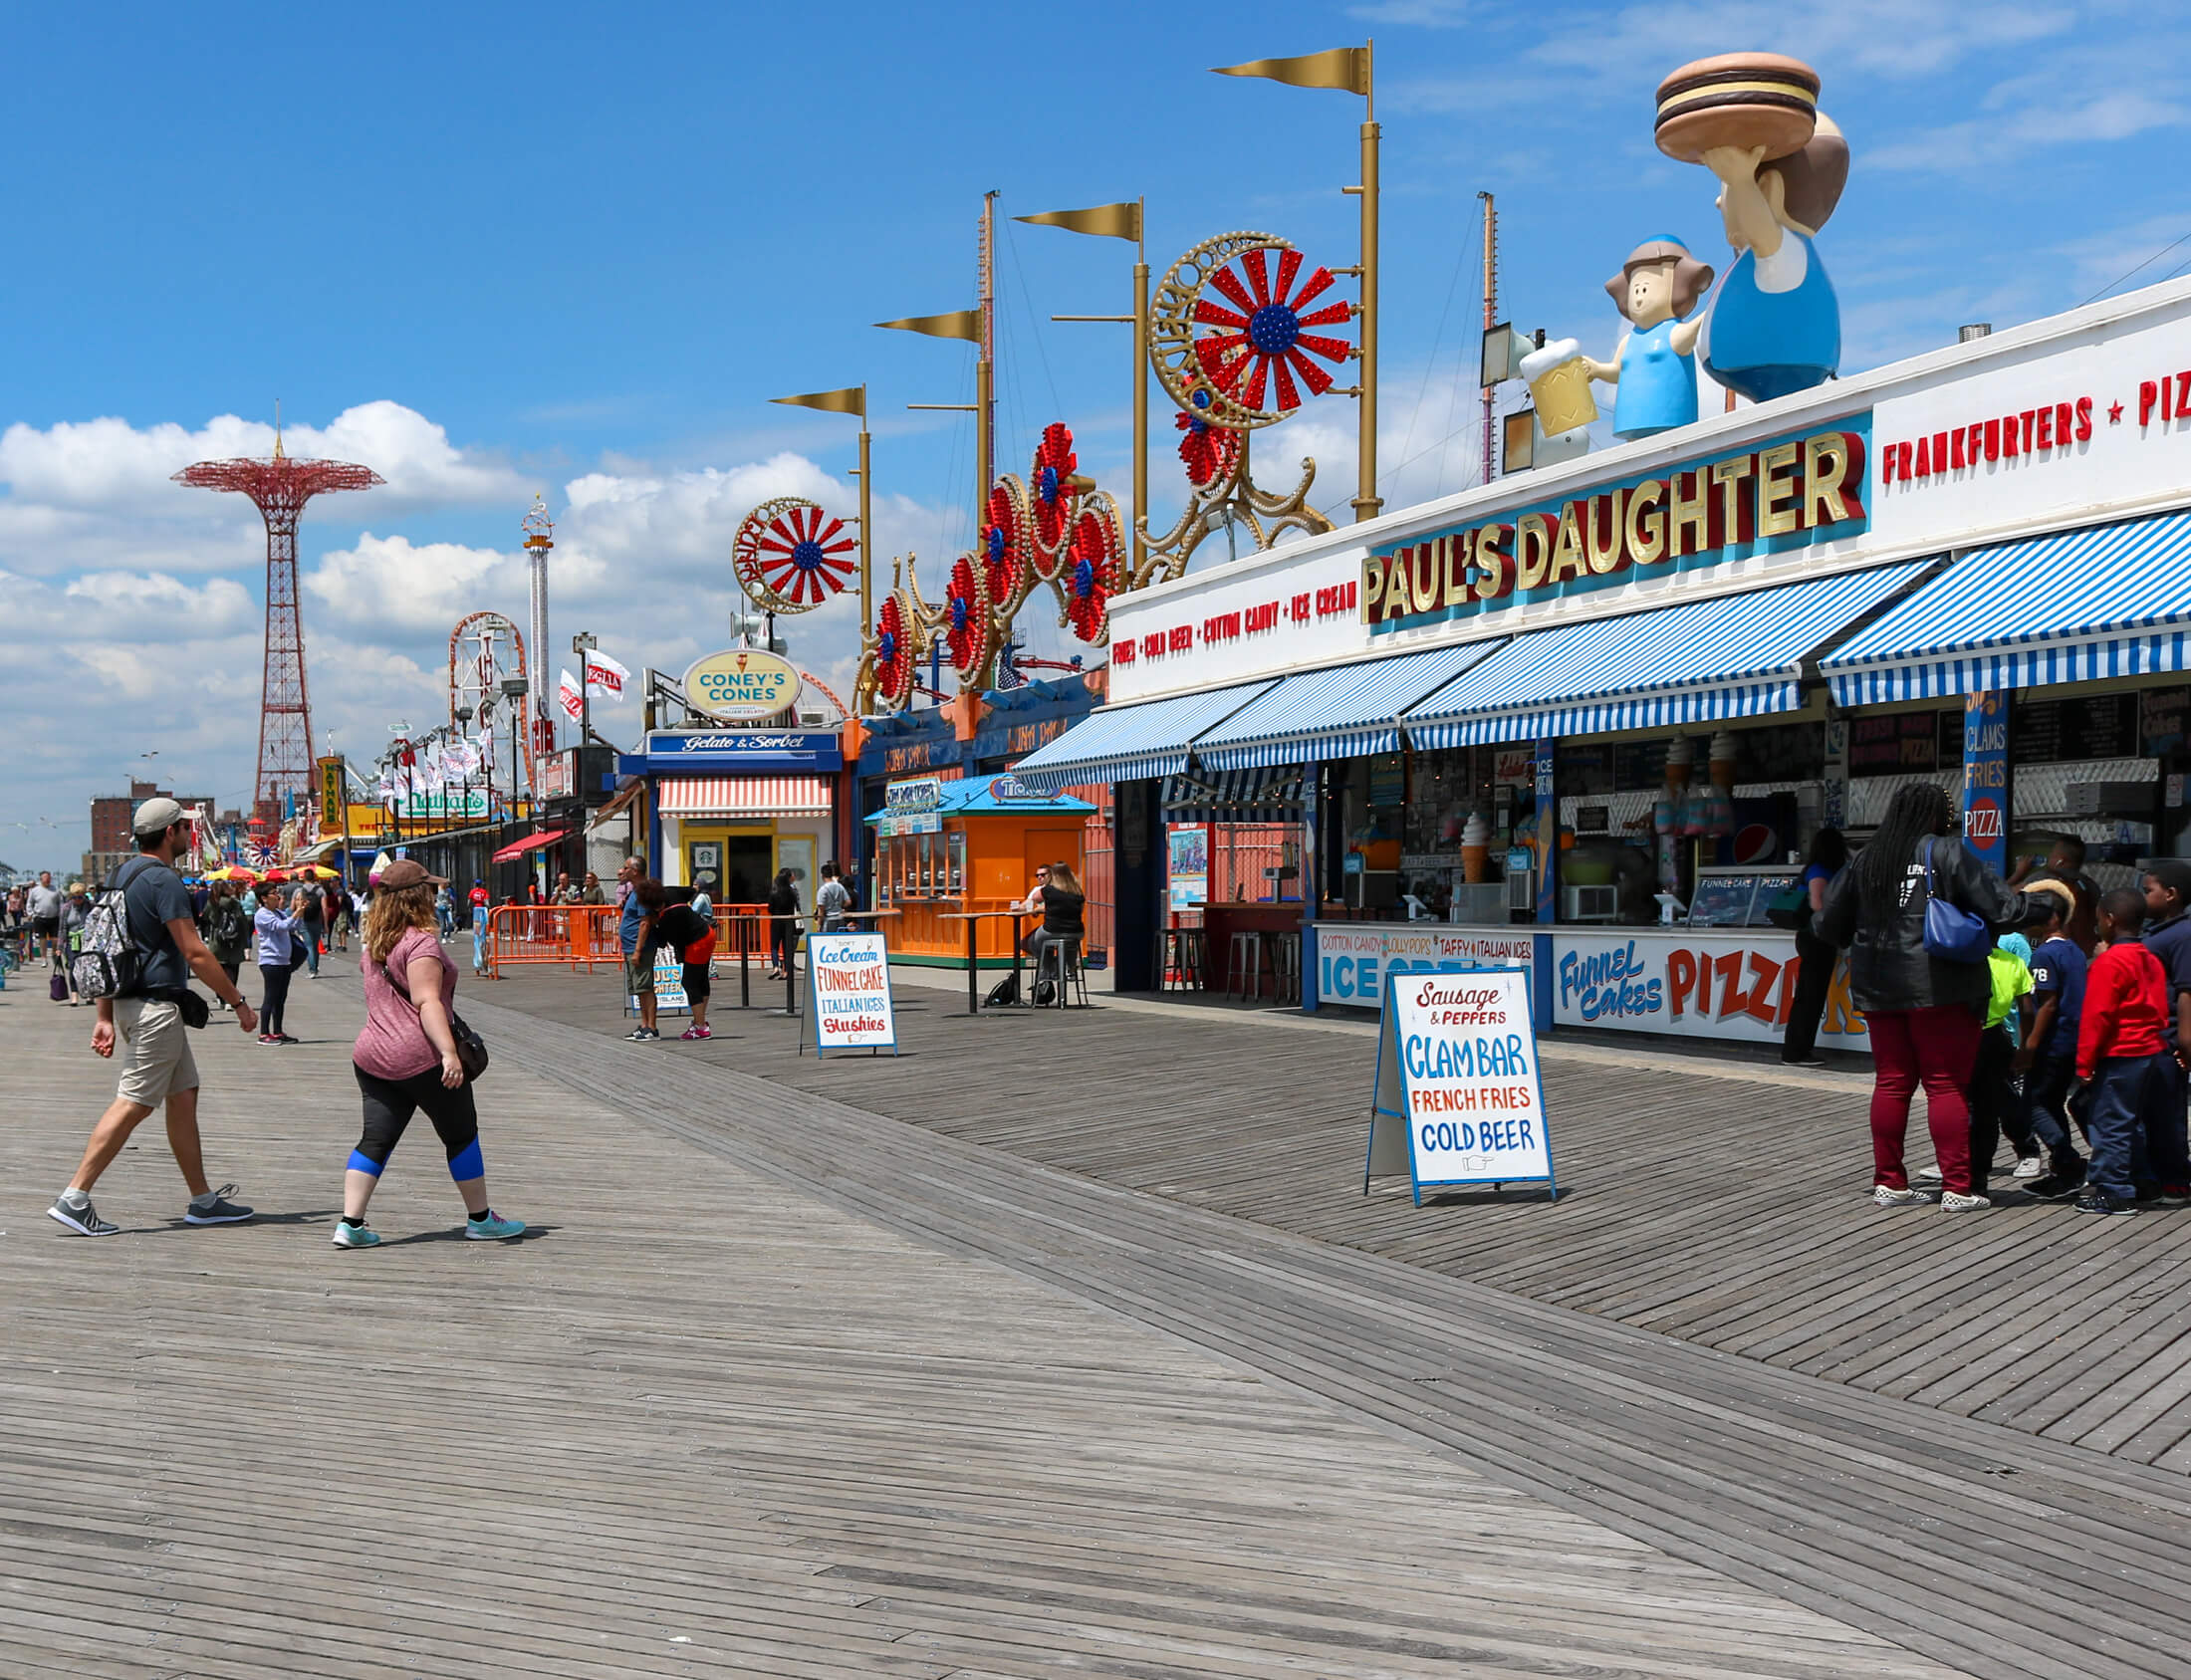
<point x="1951" y="934"/>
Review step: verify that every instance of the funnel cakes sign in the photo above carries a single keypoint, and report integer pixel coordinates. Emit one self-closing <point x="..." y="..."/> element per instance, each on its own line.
<point x="1788" y="493"/>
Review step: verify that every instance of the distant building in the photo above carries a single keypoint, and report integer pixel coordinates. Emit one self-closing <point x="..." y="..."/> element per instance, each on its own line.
<point x="112" y="845"/>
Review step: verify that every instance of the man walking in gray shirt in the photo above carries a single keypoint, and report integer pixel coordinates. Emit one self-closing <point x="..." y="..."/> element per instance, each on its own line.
<point x="148" y="1023"/>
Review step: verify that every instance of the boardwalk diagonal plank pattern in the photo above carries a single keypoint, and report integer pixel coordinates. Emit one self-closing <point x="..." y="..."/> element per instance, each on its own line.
<point x="706" y="1424"/>
<point x="1941" y="1530"/>
<point x="1721" y="1203"/>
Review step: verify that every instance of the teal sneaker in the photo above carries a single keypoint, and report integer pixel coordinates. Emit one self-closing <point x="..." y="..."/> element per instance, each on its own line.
<point x="356" y="1236"/>
<point x="491" y="1226"/>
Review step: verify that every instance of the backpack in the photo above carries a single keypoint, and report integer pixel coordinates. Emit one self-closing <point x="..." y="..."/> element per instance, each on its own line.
<point x="108" y="962"/>
<point x="1004" y="992"/>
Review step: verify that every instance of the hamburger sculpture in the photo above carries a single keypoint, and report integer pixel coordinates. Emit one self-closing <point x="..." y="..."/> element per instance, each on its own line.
<point x="1752" y="120"/>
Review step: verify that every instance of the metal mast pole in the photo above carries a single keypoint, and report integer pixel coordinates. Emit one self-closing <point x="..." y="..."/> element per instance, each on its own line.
<point x="1141" y="384"/>
<point x="1491" y="310"/>
<point x="867" y="522"/>
<point x="985" y="377"/>
<point x="1366" y="499"/>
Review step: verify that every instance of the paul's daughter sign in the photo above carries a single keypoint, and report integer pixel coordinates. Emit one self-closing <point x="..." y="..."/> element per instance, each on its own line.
<point x="1458" y="1053"/>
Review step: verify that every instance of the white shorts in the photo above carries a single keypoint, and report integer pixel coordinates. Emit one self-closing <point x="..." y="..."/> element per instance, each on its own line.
<point x="154" y="1048"/>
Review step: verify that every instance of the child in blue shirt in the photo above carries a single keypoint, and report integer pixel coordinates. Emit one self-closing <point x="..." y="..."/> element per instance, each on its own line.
<point x="2048" y="1060"/>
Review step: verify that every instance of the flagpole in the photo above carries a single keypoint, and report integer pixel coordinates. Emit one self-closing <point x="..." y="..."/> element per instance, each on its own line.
<point x="1140" y="387"/>
<point x="1366" y="499"/>
<point x="1122" y="221"/>
<point x="1349" y="70"/>
<point x="985" y="376"/>
<point x="867" y="524"/>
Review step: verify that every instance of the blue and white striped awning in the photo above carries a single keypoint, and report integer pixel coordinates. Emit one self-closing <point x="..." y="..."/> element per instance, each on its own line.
<point x="2110" y="601"/>
<point x="1128" y="743"/>
<point x="1729" y="657"/>
<point x="1344" y="712"/>
<point x="1267" y="793"/>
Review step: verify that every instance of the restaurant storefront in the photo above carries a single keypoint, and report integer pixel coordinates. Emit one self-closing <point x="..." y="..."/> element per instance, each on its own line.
<point x="1600" y="710"/>
<point x="728" y="809"/>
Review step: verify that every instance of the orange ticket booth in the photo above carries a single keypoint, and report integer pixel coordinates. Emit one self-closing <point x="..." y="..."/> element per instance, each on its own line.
<point x="966" y="844"/>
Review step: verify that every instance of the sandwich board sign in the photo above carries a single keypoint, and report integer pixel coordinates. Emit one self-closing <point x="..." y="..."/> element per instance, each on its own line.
<point x="670" y="986"/>
<point x="849" y="978"/>
<point x="1458" y="1096"/>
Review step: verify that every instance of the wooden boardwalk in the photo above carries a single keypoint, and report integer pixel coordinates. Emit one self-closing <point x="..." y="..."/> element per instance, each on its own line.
<point x="703" y="1423"/>
<point x="1721" y="1202"/>
<point x="1995" y="1551"/>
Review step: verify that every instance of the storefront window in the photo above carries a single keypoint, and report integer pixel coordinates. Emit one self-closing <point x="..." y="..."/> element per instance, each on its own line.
<point x="956" y="845"/>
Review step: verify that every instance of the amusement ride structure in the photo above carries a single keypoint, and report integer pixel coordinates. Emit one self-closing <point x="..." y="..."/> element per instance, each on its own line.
<point x="280" y="487"/>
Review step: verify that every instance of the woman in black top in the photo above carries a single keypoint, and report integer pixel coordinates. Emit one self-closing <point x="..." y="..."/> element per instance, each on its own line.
<point x="1925" y="1013"/>
<point x="1061" y="901"/>
<point x="782" y="924"/>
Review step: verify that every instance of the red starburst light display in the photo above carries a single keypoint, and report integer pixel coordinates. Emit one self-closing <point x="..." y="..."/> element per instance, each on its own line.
<point x="1091" y="575"/>
<point x="803" y="554"/>
<point x="1051" y="489"/>
<point x="894" y="653"/>
<point x="966" y="620"/>
<point x="1266" y="341"/>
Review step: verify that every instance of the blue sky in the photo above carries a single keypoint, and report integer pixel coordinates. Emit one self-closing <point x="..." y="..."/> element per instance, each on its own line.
<point x="501" y="249"/>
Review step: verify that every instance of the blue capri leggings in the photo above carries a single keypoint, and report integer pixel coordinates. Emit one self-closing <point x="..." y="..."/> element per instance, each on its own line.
<point x="389" y="1105"/>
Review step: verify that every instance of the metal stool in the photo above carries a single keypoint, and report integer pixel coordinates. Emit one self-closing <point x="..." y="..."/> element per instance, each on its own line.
<point x="1285" y="966"/>
<point x="1182" y="959"/>
<point x="1059" y="962"/>
<point x="1245" y="965"/>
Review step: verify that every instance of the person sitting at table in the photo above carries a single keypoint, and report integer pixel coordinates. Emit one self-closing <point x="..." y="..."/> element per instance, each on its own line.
<point x="1059" y="900"/>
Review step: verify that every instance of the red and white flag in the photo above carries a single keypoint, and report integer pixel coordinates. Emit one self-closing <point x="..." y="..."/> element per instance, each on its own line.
<point x="574" y="704"/>
<point x="604" y="678"/>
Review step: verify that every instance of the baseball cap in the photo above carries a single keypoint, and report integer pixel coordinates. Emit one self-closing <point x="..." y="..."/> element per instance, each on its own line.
<point x="405" y="871"/>
<point x="156" y="817"/>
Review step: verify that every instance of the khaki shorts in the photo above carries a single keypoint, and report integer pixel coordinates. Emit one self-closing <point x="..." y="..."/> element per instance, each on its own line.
<point x="638" y="975"/>
<point x="154" y="1048"/>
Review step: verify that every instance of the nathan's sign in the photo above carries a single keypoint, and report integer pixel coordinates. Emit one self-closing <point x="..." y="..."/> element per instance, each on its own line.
<point x="1781" y="495"/>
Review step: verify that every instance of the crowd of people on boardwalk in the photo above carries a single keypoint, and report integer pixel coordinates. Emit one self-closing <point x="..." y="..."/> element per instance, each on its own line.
<point x="2035" y="1008"/>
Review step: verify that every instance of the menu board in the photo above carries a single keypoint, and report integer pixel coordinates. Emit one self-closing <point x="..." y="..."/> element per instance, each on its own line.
<point x="1585" y="770"/>
<point x="1722" y="900"/>
<point x="1639" y="765"/>
<point x="1782" y="752"/>
<point x="1903" y="744"/>
<point x="1387" y="782"/>
<point x="2077" y="730"/>
<point x="2165" y="719"/>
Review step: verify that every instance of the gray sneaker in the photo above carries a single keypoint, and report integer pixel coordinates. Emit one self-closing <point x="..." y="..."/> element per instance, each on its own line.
<point x="84" y="1221"/>
<point x="219" y="1211"/>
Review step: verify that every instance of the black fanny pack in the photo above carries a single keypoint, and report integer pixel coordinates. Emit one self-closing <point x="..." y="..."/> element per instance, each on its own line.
<point x="188" y="1004"/>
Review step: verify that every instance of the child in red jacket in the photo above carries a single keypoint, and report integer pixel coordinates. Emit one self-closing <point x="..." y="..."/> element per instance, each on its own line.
<point x="2120" y="1054"/>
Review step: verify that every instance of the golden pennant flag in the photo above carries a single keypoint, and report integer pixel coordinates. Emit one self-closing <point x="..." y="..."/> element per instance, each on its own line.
<point x="853" y="399"/>
<point x="1106" y="221"/>
<point x="1345" y="69"/>
<point x="959" y="324"/>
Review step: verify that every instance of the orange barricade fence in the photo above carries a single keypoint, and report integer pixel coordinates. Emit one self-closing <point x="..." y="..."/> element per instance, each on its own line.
<point x="585" y="936"/>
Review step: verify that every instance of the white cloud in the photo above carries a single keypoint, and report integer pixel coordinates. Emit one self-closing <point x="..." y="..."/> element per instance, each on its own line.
<point x="111" y="466"/>
<point x="393" y="584"/>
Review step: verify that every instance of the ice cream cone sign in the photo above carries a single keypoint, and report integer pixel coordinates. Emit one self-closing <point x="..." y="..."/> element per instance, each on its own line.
<point x="1654" y="364"/>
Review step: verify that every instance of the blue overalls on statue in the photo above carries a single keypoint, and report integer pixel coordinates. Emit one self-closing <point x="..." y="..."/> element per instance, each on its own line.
<point x="1658" y="388"/>
<point x="1762" y="345"/>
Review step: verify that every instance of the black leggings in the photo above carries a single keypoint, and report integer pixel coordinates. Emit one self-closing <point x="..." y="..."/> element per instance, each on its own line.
<point x="275" y="994"/>
<point x="389" y="1105"/>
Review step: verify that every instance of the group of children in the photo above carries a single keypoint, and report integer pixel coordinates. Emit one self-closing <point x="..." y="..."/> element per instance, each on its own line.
<point x="2101" y="1042"/>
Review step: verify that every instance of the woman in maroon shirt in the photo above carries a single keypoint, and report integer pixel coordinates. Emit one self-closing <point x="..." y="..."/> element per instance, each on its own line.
<point x="405" y="1059"/>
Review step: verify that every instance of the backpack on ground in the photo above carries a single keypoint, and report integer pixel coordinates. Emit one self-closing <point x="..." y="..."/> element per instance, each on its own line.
<point x="1004" y="992"/>
<point x="108" y="962"/>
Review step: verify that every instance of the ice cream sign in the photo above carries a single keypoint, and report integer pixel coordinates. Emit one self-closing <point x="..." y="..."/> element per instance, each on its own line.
<point x="1788" y="493"/>
<point x="741" y="685"/>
